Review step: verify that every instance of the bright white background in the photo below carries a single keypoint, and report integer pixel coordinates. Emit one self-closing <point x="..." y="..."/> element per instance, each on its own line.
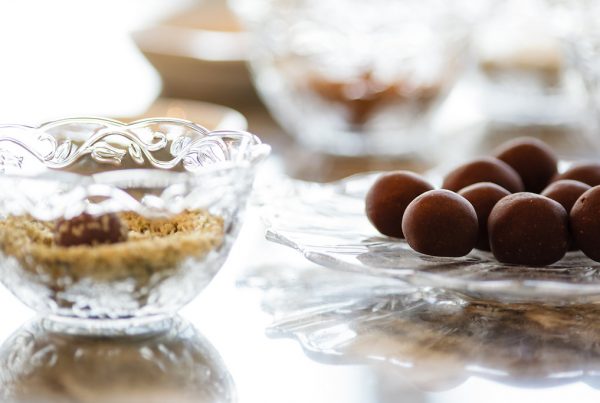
<point x="69" y="57"/>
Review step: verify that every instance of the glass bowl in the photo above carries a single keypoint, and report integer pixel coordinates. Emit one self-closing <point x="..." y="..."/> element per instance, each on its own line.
<point x="328" y="225"/>
<point x="176" y="191"/>
<point x="353" y="77"/>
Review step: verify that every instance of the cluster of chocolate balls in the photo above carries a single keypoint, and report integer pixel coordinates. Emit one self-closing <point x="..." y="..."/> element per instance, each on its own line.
<point x="515" y="204"/>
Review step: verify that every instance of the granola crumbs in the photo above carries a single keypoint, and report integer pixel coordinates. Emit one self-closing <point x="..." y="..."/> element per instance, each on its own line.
<point x="152" y="246"/>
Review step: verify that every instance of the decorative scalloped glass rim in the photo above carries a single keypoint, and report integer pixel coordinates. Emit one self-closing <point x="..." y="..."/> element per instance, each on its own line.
<point x="62" y="155"/>
<point x="208" y="160"/>
<point x="347" y="194"/>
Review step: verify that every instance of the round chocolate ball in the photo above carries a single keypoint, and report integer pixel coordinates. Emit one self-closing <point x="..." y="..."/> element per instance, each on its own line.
<point x="440" y="223"/>
<point x="528" y="229"/>
<point x="388" y="198"/>
<point x="586" y="172"/>
<point x="483" y="196"/>
<point x="585" y="223"/>
<point x="534" y="161"/>
<point x="484" y="169"/>
<point x="86" y="229"/>
<point x="566" y="192"/>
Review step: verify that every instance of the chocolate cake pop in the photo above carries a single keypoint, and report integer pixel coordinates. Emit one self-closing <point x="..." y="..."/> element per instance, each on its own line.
<point x="483" y="196"/>
<point x="440" y="223"/>
<point x="388" y="198"/>
<point x="484" y="169"/>
<point x="532" y="159"/>
<point x="528" y="229"/>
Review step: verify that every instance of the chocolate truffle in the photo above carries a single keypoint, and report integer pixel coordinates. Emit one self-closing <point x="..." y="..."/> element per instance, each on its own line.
<point x="440" y="223"/>
<point x="566" y="192"/>
<point x="534" y="161"/>
<point x="585" y="223"/>
<point x="485" y="169"/>
<point x="586" y="172"/>
<point x="528" y="229"/>
<point x="388" y="198"/>
<point x="483" y="196"/>
<point x="86" y="229"/>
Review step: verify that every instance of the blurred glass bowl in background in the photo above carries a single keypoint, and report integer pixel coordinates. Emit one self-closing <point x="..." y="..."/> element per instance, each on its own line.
<point x="179" y="188"/>
<point x="577" y="23"/>
<point x="355" y="77"/>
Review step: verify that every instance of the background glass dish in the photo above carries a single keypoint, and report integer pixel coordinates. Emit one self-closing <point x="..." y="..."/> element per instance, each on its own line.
<point x="327" y="224"/>
<point x="156" y="168"/>
<point x="355" y="77"/>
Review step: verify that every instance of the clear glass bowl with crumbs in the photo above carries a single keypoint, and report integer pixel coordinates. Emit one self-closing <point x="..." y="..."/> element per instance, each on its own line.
<point x="108" y="227"/>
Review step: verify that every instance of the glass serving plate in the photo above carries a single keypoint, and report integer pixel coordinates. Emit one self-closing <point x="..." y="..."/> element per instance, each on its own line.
<point x="327" y="224"/>
<point x="154" y="171"/>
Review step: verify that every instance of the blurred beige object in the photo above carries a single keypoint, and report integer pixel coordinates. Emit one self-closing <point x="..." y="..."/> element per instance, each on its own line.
<point x="211" y="116"/>
<point x="506" y="47"/>
<point x="200" y="54"/>
<point x="522" y="71"/>
<point x="211" y="15"/>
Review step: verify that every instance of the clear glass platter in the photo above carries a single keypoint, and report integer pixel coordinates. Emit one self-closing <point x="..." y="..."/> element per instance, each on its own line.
<point x="327" y="224"/>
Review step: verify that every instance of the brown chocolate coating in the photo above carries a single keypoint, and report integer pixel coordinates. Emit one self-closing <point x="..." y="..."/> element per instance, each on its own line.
<point x="484" y="169"/>
<point x="483" y="196"/>
<point x="534" y="161"/>
<point x="86" y="229"/>
<point x="388" y="198"/>
<point x="566" y="192"/>
<point x="528" y="229"/>
<point x="585" y="223"/>
<point x="440" y="223"/>
<point x="586" y="172"/>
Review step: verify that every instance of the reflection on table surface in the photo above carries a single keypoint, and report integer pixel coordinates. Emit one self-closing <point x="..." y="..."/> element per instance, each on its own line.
<point x="177" y="365"/>
<point x="434" y="340"/>
<point x="431" y="346"/>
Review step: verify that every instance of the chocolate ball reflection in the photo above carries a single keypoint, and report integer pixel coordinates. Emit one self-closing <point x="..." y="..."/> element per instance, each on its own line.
<point x="177" y="365"/>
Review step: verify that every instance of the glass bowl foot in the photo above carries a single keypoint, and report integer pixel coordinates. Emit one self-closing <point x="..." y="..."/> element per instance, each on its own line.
<point x="107" y="327"/>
